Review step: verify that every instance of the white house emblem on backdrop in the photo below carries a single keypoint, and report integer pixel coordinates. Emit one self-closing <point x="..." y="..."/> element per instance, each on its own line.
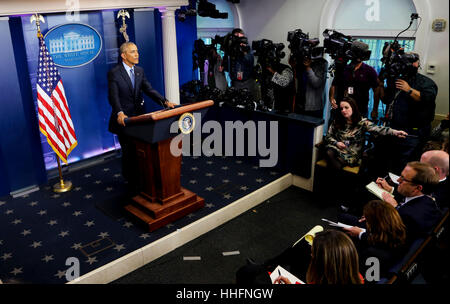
<point x="73" y="44"/>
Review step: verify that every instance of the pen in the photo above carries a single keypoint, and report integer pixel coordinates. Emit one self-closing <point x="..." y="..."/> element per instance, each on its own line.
<point x="279" y="273"/>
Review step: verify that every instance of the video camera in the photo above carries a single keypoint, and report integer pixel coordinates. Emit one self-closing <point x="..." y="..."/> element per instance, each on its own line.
<point x="268" y="53"/>
<point x="343" y="48"/>
<point x="302" y="47"/>
<point x="232" y="45"/>
<point x="396" y="63"/>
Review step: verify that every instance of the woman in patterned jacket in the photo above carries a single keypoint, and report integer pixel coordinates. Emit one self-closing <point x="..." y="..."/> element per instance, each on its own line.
<point x="346" y="135"/>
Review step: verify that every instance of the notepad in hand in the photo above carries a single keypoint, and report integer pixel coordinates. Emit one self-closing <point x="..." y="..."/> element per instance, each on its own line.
<point x="339" y="224"/>
<point x="309" y="236"/>
<point x="283" y="272"/>
<point x="377" y="191"/>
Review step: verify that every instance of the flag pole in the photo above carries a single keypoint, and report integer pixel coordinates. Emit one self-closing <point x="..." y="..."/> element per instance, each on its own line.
<point x="61" y="186"/>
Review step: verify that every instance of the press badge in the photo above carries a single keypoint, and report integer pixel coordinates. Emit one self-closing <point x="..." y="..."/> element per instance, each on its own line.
<point x="240" y="75"/>
<point x="350" y="90"/>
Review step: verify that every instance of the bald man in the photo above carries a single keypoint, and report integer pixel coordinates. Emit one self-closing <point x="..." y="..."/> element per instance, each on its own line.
<point x="438" y="159"/>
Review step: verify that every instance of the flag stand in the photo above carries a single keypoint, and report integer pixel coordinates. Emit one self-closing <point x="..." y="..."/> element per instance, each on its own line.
<point x="61" y="186"/>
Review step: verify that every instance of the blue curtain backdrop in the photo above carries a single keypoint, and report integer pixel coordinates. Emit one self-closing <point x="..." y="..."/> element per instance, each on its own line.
<point x="25" y="156"/>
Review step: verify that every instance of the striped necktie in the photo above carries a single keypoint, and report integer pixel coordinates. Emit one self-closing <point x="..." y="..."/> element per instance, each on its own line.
<point x="132" y="76"/>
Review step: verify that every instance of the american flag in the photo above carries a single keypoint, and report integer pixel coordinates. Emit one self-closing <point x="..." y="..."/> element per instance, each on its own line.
<point x="55" y="121"/>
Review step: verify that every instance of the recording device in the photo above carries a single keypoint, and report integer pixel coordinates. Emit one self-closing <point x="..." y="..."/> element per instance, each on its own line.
<point x="343" y="48"/>
<point x="233" y="46"/>
<point x="396" y="63"/>
<point x="268" y="53"/>
<point x="194" y="91"/>
<point x="302" y="47"/>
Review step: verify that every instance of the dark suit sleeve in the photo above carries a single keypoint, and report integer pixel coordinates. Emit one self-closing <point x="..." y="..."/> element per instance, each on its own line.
<point x="149" y="91"/>
<point x="113" y="93"/>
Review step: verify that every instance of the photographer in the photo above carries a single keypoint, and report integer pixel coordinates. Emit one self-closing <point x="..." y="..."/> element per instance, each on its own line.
<point x="357" y="79"/>
<point x="411" y="98"/>
<point x="311" y="76"/>
<point x="281" y="89"/>
<point x="240" y="61"/>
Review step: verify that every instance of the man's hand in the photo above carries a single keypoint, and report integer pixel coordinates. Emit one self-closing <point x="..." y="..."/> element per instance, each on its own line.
<point x="389" y="199"/>
<point x="383" y="184"/>
<point x="121" y="118"/>
<point x="402" y="85"/>
<point x="333" y="103"/>
<point x="169" y="104"/>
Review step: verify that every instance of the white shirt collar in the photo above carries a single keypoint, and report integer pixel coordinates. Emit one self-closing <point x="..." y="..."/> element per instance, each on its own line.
<point x="127" y="67"/>
<point x="407" y="199"/>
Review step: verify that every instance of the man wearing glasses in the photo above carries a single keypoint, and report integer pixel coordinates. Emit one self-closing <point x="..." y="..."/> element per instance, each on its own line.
<point x="418" y="209"/>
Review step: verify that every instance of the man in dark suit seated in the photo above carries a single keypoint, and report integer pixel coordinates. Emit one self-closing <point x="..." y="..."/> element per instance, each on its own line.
<point x="418" y="210"/>
<point x="439" y="160"/>
<point x="126" y="85"/>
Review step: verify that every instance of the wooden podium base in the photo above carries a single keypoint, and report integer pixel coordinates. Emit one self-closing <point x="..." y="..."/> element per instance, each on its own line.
<point x="156" y="215"/>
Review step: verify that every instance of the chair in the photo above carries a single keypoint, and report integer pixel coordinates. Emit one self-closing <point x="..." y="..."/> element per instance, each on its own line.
<point x="418" y="254"/>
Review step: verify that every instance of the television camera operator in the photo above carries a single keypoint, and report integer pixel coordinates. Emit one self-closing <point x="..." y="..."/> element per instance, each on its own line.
<point x="276" y="79"/>
<point x="411" y="101"/>
<point x="354" y="79"/>
<point x="239" y="61"/>
<point x="310" y="73"/>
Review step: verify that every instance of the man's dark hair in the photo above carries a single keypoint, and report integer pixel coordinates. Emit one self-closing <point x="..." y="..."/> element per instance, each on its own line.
<point x="425" y="176"/>
<point x="237" y="30"/>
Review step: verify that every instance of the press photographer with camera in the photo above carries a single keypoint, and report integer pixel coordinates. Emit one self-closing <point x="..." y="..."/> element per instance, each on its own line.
<point x="356" y="80"/>
<point x="411" y="100"/>
<point x="239" y="61"/>
<point x="310" y="73"/>
<point x="276" y="79"/>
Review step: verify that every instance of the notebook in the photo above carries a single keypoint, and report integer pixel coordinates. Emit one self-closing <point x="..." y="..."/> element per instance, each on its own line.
<point x="283" y="272"/>
<point x="377" y="191"/>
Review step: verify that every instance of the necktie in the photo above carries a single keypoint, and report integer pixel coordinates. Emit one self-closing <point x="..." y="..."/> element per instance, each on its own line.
<point x="132" y="76"/>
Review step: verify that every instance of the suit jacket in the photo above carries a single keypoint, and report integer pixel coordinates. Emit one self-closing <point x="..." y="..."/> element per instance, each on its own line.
<point x="122" y="96"/>
<point x="441" y="194"/>
<point x="419" y="215"/>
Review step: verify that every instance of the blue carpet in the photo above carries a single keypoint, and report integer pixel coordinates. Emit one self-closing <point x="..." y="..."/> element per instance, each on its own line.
<point x="41" y="230"/>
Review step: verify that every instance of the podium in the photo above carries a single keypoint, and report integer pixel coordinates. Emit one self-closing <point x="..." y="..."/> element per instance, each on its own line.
<point x="161" y="199"/>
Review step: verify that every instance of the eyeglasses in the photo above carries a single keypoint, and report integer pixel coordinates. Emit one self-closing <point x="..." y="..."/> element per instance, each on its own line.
<point x="403" y="179"/>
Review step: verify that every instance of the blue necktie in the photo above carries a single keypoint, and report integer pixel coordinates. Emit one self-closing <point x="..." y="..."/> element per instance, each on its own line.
<point x="132" y="76"/>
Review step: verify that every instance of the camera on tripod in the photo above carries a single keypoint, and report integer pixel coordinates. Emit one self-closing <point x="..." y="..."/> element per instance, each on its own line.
<point x="268" y="53"/>
<point x="302" y="47"/>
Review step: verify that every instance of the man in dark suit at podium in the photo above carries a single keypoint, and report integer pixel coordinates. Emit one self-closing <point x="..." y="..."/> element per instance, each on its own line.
<point x="126" y="85"/>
